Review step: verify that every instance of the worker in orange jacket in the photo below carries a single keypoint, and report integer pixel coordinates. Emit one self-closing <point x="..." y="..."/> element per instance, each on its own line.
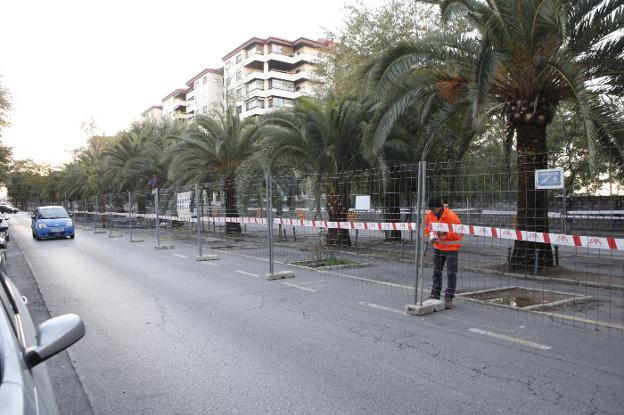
<point x="446" y="248"/>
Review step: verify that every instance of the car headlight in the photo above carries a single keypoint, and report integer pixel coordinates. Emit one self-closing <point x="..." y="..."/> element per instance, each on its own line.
<point x="41" y="225"/>
<point x="69" y="223"/>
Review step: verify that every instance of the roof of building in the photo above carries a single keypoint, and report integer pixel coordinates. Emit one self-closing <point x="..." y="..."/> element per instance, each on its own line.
<point x="300" y="41"/>
<point x="218" y="71"/>
<point x="174" y="93"/>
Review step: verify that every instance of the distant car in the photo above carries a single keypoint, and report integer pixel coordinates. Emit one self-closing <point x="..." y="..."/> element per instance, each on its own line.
<point x="51" y="222"/>
<point x="4" y="231"/>
<point x="25" y="386"/>
<point x="8" y="208"/>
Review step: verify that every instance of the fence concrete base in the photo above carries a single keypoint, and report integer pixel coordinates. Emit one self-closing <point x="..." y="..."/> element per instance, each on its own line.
<point x="207" y="258"/>
<point x="136" y="240"/>
<point x="163" y="247"/>
<point x="419" y="310"/>
<point x="280" y="275"/>
<point x="438" y="305"/>
<point x="115" y="236"/>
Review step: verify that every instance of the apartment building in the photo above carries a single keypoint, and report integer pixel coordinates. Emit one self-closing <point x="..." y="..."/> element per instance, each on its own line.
<point x="174" y="105"/>
<point x="205" y="93"/>
<point x="258" y="76"/>
<point x="264" y="74"/>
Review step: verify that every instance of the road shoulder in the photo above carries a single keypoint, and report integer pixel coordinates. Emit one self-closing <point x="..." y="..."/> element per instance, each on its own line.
<point x="70" y="394"/>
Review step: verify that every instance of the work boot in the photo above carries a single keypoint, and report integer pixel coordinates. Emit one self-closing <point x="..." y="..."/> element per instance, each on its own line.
<point x="448" y="303"/>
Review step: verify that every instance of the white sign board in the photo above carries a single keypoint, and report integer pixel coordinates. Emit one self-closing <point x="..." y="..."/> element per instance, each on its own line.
<point x="184" y="204"/>
<point x="362" y="202"/>
<point x="549" y="179"/>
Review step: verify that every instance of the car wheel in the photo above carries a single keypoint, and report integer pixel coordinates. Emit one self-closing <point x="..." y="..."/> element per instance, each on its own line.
<point x="34" y="236"/>
<point x="72" y="236"/>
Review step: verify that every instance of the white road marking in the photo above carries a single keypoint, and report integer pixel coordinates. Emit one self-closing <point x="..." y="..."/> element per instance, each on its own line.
<point x="209" y="263"/>
<point x="510" y="339"/>
<point x="192" y="246"/>
<point x="299" y="287"/>
<point x="351" y="277"/>
<point x="247" y="273"/>
<point x="380" y="307"/>
<point x="142" y="246"/>
<point x="180" y="256"/>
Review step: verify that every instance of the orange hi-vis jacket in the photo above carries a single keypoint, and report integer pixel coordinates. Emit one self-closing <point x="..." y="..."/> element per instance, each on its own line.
<point x="450" y="241"/>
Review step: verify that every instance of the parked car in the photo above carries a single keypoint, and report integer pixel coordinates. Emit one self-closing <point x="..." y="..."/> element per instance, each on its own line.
<point x="25" y="386"/>
<point x="51" y="222"/>
<point x="4" y="231"/>
<point x="8" y="208"/>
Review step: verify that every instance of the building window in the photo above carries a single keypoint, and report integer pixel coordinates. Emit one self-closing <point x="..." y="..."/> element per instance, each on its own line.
<point x="205" y="109"/>
<point x="256" y="84"/>
<point x="254" y="103"/>
<point x="238" y="94"/>
<point x="238" y="75"/>
<point x="254" y="50"/>
<point x="205" y="80"/>
<point x="281" y="84"/>
<point x="278" y="102"/>
<point x="239" y="58"/>
<point x="239" y="109"/>
<point x="277" y="48"/>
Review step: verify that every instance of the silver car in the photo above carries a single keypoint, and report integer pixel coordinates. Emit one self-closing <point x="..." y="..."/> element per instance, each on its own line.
<point x="25" y="386"/>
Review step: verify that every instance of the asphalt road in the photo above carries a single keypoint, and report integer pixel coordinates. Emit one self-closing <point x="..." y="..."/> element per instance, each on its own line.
<point x="170" y="335"/>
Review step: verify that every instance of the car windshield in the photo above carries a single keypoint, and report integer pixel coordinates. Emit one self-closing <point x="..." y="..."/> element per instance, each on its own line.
<point x="53" y="213"/>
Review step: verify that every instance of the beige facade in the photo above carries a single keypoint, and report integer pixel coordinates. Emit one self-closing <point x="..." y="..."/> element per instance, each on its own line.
<point x="174" y="105"/>
<point x="153" y="113"/>
<point x="205" y="94"/>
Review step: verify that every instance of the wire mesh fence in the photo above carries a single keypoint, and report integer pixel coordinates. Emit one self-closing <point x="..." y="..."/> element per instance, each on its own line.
<point x="557" y="253"/>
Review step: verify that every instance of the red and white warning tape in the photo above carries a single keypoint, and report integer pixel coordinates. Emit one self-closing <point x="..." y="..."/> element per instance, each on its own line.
<point x="597" y="242"/>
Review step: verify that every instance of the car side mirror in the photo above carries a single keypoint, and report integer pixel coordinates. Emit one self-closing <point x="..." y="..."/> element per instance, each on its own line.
<point x="54" y="336"/>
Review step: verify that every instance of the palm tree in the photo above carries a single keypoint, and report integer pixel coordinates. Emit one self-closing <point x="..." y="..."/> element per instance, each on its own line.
<point x="135" y="155"/>
<point x="214" y="148"/>
<point x="524" y="59"/>
<point x="321" y="138"/>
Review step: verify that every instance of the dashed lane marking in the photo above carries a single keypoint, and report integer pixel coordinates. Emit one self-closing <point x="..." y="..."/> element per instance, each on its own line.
<point x="180" y="256"/>
<point x="209" y="263"/>
<point x="248" y="273"/>
<point x="299" y="287"/>
<point x="510" y="339"/>
<point x="380" y="307"/>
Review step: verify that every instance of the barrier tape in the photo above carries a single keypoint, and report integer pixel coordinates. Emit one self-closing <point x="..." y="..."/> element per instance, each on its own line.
<point x="580" y="241"/>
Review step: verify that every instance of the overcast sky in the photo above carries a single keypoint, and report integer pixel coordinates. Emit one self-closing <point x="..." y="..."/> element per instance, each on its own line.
<point x="67" y="61"/>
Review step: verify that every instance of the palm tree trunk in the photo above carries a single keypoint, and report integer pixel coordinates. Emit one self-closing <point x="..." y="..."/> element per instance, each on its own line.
<point x="231" y="210"/>
<point x="337" y="208"/>
<point x="532" y="204"/>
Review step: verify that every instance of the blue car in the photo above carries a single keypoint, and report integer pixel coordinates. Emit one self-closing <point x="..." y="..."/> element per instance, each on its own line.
<point x="51" y="222"/>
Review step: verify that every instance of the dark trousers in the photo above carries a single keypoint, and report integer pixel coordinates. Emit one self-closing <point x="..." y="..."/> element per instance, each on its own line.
<point x="450" y="258"/>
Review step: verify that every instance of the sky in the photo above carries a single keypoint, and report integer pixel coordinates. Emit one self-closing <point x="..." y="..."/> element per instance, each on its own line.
<point x="66" y="62"/>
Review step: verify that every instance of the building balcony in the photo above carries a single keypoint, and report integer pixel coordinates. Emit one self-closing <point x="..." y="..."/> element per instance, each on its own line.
<point x="180" y="106"/>
<point x="277" y="74"/>
<point x="254" y="111"/>
<point x="257" y="60"/>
